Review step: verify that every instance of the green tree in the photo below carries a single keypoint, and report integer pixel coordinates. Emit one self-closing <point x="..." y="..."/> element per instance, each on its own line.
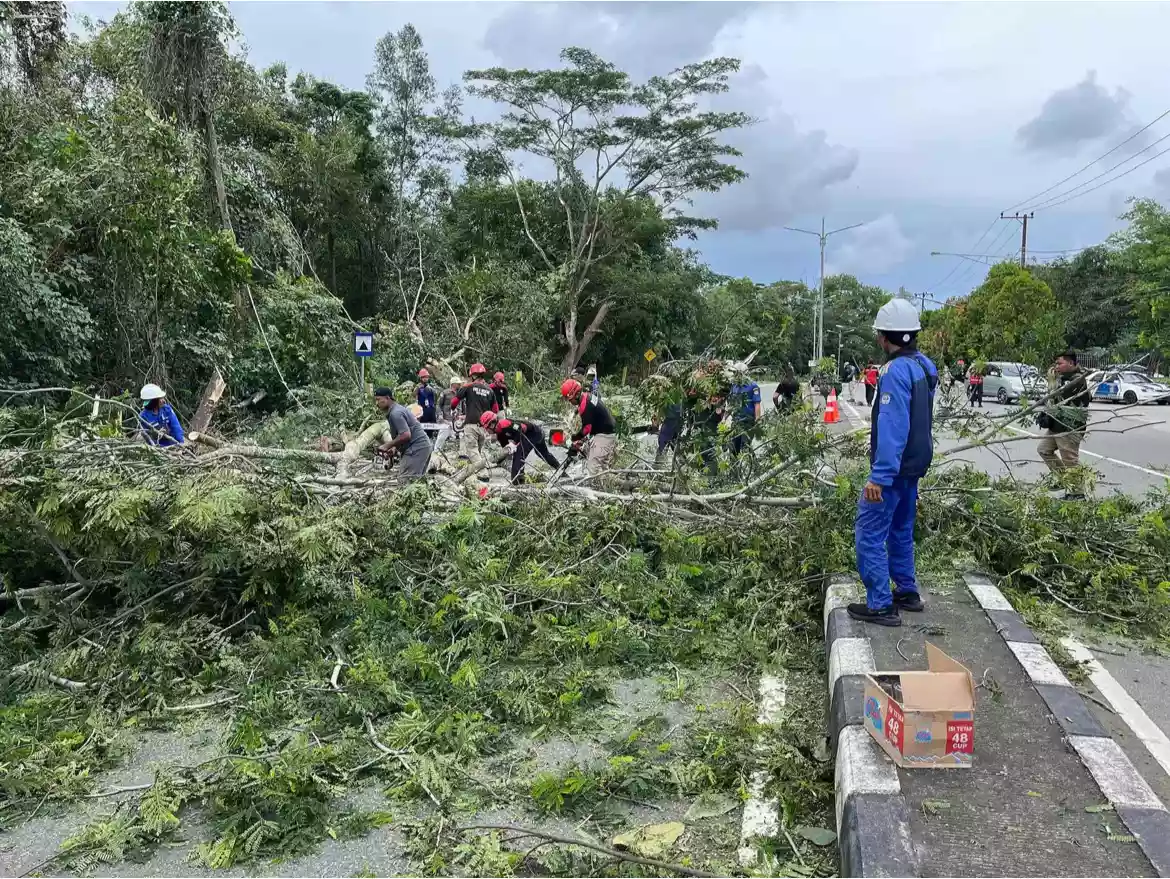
<point x="184" y="57"/>
<point x="1144" y="256"/>
<point x="1092" y="290"/>
<point x="1012" y="315"/>
<point x="413" y="121"/>
<point x="603" y="140"/>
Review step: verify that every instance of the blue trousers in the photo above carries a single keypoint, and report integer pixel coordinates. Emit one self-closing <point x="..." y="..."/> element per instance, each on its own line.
<point x="883" y="536"/>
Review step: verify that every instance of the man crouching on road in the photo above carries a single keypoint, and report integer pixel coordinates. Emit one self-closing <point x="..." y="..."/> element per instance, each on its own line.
<point x="407" y="436"/>
<point x="900" y="451"/>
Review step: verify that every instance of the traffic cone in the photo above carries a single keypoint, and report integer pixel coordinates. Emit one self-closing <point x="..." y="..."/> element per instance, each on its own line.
<point x="832" y="415"/>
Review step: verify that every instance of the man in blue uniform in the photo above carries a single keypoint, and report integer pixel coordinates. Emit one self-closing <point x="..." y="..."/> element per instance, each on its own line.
<point x="158" y="421"/>
<point x="900" y="451"/>
<point x="745" y="408"/>
<point x="425" y="395"/>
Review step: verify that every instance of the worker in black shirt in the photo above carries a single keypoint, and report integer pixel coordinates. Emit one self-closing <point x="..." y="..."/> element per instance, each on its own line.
<point x="500" y="387"/>
<point x="522" y="437"/>
<point x="477" y="398"/>
<point x="597" y="426"/>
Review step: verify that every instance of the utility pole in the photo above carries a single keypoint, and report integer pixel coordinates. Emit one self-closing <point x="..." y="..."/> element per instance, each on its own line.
<point x="1023" y="218"/>
<point x="819" y="308"/>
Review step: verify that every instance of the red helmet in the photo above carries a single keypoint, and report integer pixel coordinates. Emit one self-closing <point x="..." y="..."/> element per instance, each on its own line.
<point x="499" y="376"/>
<point x="423" y="373"/>
<point x="477" y="369"/>
<point x="570" y="388"/>
<point x="487" y="420"/>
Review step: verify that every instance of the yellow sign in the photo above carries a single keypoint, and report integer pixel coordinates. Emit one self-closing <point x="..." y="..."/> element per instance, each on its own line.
<point x="649" y="355"/>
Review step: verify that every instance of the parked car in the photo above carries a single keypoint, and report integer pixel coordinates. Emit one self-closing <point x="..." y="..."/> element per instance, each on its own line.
<point x="1008" y="382"/>
<point x="1127" y="386"/>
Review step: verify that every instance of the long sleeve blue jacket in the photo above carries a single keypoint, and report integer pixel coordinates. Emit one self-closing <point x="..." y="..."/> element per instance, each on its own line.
<point x="900" y="442"/>
<point x="163" y="421"/>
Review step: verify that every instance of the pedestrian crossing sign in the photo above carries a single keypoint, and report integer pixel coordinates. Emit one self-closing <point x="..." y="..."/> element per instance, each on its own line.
<point x="363" y="344"/>
<point x="649" y="355"/>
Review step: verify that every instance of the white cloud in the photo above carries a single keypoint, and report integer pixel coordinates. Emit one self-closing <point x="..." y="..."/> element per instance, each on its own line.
<point x="874" y="248"/>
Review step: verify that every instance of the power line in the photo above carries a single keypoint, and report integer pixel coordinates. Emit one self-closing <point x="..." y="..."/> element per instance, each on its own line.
<point x="958" y="265"/>
<point x="996" y="242"/>
<point x="1111" y="179"/>
<point x="1086" y="167"/>
<point x="1047" y="202"/>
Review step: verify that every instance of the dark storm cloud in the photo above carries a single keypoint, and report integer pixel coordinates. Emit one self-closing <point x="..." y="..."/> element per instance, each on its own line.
<point x="1075" y="115"/>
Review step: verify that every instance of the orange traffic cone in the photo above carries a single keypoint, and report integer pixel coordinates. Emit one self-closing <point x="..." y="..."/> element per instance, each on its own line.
<point x="832" y="414"/>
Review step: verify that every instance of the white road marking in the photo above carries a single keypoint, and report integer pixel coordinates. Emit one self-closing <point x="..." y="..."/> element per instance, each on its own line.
<point x="1085" y="451"/>
<point x="849" y="656"/>
<point x="862" y="768"/>
<point x="761" y="815"/>
<point x="1126" y="706"/>
<point x="1114" y="774"/>
<point x="1038" y="664"/>
<point x="853" y="413"/>
<point x="987" y="594"/>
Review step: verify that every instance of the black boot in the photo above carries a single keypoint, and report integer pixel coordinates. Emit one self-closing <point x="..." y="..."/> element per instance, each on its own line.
<point x="911" y="601"/>
<point x="886" y="617"/>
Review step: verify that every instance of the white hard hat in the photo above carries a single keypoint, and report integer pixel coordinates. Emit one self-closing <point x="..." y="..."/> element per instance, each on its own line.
<point x="151" y="392"/>
<point x="896" y="316"/>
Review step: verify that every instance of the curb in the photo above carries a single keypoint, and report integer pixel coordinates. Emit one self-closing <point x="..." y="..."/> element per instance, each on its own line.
<point x="873" y="820"/>
<point x="1134" y="802"/>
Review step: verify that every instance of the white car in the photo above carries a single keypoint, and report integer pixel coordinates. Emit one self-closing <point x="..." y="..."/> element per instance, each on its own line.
<point x="1127" y="386"/>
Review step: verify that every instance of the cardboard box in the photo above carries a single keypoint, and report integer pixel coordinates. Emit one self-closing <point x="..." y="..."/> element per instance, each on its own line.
<point x="924" y="718"/>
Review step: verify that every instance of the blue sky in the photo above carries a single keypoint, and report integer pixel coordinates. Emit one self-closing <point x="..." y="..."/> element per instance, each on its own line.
<point x="921" y="120"/>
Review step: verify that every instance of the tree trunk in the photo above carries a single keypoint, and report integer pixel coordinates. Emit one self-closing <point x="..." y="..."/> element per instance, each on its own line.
<point x="332" y="265"/>
<point x="207" y="402"/>
<point x="576" y="348"/>
<point x="216" y="170"/>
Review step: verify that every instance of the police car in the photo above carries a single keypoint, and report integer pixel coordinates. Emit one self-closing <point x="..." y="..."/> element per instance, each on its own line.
<point x="1127" y="386"/>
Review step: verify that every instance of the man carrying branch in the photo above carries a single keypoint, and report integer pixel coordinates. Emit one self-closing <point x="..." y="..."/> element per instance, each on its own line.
<point x="1065" y="418"/>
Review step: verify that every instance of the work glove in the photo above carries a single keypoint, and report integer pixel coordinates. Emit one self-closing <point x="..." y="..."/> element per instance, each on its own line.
<point x="511" y="447"/>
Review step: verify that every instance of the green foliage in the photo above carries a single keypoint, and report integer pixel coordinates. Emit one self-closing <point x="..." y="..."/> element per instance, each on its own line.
<point x="1011" y="316"/>
<point x="1145" y="257"/>
<point x="306" y="334"/>
<point x="44" y="335"/>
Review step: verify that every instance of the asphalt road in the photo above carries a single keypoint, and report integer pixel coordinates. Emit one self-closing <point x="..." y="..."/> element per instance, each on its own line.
<point x="1128" y="446"/>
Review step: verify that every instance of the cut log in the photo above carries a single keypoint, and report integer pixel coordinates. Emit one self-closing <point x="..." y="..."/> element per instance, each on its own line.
<point x="379" y="430"/>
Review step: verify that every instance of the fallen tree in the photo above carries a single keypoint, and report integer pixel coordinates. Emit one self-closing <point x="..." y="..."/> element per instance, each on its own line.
<point x="344" y="627"/>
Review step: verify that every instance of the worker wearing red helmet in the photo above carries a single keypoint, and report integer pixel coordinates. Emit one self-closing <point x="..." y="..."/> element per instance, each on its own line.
<point x="500" y="386"/>
<point x="477" y="398"/>
<point x="522" y="437"/>
<point x="425" y="396"/>
<point x="597" y="426"/>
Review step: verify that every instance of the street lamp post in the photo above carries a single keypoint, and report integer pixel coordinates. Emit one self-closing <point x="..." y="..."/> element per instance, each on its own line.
<point x="819" y="310"/>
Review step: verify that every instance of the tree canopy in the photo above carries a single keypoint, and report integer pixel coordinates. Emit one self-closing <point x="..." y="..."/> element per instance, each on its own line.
<point x="170" y="211"/>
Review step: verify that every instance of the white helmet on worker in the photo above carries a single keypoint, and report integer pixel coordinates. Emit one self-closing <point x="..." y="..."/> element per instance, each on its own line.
<point x="151" y="392"/>
<point x="897" y="316"/>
